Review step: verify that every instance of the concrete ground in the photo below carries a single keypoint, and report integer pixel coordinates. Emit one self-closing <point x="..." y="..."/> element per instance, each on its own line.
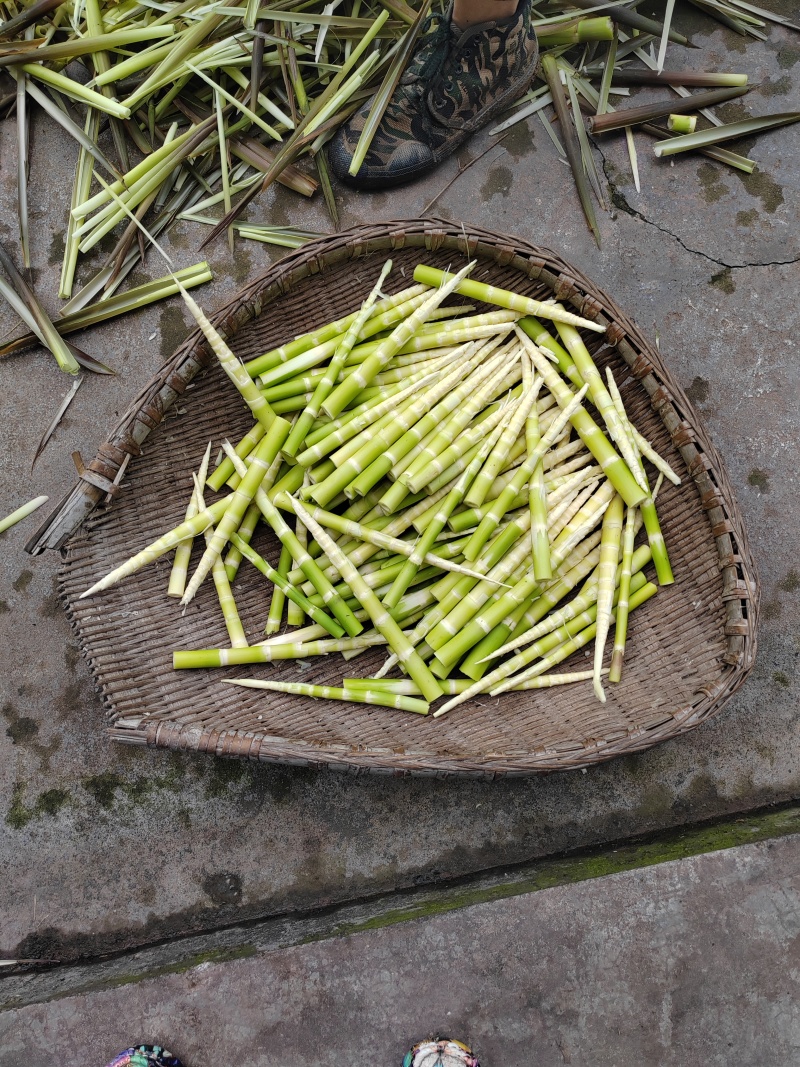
<point x="684" y="963"/>
<point x="110" y="849"/>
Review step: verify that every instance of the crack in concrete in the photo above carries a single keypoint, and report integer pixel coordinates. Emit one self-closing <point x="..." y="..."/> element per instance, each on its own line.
<point x="619" y="201"/>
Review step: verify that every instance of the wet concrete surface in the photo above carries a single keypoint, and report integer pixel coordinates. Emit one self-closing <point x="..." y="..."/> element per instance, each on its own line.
<point x="110" y="847"/>
<point x="686" y="963"/>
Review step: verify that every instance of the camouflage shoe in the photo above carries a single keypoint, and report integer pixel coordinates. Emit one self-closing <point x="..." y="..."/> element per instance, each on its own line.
<point x="456" y="82"/>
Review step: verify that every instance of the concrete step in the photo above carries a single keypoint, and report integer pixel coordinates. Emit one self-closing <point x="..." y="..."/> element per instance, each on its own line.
<point x="683" y="962"/>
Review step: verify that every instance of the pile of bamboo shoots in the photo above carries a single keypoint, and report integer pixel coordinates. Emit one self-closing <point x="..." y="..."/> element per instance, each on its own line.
<point x="463" y="487"/>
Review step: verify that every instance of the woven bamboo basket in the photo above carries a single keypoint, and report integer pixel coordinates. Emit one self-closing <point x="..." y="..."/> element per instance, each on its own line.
<point x="689" y="649"/>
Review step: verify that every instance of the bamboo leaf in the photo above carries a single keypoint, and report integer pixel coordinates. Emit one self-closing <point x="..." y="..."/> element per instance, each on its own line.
<point x="23" y="137"/>
<point x="82" y="46"/>
<point x="23" y="300"/>
<point x="730" y="132"/>
<point x="608" y="75"/>
<point x="292" y="147"/>
<point x="771" y="16"/>
<point x="633" y="157"/>
<point x="321" y="164"/>
<point x="662" y="50"/>
<point x="71" y="127"/>
<point x="721" y="155"/>
<point x="386" y="90"/>
<point x="572" y="148"/>
<point x="120" y="304"/>
<point x="75" y="90"/>
<point x="586" y="149"/>
<point x="48" y="433"/>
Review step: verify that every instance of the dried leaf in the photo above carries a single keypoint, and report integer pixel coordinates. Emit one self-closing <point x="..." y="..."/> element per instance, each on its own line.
<point x="59" y="415"/>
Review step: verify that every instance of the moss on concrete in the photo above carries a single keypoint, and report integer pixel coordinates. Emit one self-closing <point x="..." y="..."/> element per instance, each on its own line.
<point x="568" y="870"/>
<point x="791" y="583"/>
<point x="713" y="187"/>
<point x="50" y="802"/>
<point x="220" y="955"/>
<point x="723" y="281"/>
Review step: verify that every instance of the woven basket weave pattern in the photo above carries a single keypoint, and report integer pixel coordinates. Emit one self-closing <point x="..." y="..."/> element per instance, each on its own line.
<point x="688" y="650"/>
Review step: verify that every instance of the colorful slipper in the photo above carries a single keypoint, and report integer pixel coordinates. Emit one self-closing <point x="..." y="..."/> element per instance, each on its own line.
<point x="145" y="1056"/>
<point x="441" y="1052"/>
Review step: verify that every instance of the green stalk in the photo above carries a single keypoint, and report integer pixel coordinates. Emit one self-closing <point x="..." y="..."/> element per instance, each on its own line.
<point x="22" y="513"/>
<point x="648" y="505"/>
<point x="571" y="645"/>
<point x="312" y="357"/>
<point x="501" y="505"/>
<point x="247" y="528"/>
<point x="262" y="458"/>
<point x="626" y="567"/>
<point x="496" y="459"/>
<point x="326" y="384"/>
<point x="234" y="369"/>
<point x="437" y="522"/>
<point x="222" y="586"/>
<point x="332" y="330"/>
<point x="606" y="570"/>
<point x="332" y="600"/>
<point x="180" y="563"/>
<point x="537" y="493"/>
<point x="465" y="634"/>
<point x="380" y="540"/>
<point x="361" y="377"/>
<point x="483" y="385"/>
<point x="276" y="604"/>
<point x="222" y="473"/>
<point x="614" y="467"/>
<point x="329" y="692"/>
<point x="317" y="614"/>
<point x="544" y="620"/>
<point x="370" y="414"/>
<point x="534" y="329"/>
<point x="600" y="397"/>
<point x="580" y="563"/>
<point x="410" y="660"/>
<point x="270" y="653"/>
<point x="444" y="400"/>
<point x="490" y="294"/>
<point x="552" y="649"/>
<point x="189" y="528"/>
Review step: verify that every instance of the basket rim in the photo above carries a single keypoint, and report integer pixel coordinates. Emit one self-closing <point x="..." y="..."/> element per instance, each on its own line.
<point x="100" y="482"/>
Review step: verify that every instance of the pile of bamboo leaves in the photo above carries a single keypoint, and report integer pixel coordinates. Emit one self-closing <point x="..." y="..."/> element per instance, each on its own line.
<point x="187" y="110"/>
<point x="463" y="488"/>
